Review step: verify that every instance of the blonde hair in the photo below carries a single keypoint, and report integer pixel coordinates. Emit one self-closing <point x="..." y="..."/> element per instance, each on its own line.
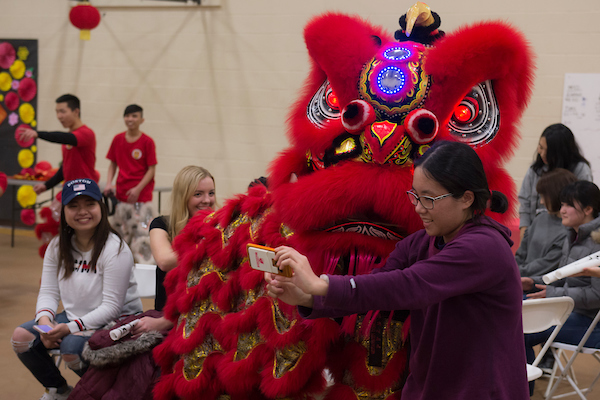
<point x="185" y="184"/>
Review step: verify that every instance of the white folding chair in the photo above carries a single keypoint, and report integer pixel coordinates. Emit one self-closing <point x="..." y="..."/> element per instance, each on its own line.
<point x="557" y="350"/>
<point x="145" y="276"/>
<point x="542" y="314"/>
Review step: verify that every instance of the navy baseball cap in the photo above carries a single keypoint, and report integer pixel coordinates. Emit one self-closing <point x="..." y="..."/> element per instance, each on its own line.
<point x="80" y="187"/>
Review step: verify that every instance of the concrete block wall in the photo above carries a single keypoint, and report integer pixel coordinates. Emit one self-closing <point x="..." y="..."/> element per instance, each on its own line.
<point x="216" y="83"/>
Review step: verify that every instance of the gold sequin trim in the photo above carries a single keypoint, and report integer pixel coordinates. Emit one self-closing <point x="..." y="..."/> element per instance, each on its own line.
<point x="246" y="343"/>
<point x="287" y="359"/>
<point x="231" y="228"/>
<point x="194" y="361"/>
<point x="191" y="318"/>
<point x="206" y="267"/>
<point x="282" y="324"/>
<point x="285" y="231"/>
<point x="256" y="224"/>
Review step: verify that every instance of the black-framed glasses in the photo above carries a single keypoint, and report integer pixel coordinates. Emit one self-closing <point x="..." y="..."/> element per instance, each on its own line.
<point x="426" y="201"/>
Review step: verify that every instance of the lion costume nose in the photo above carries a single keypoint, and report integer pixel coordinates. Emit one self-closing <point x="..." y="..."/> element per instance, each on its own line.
<point x="357" y="115"/>
<point x="421" y="125"/>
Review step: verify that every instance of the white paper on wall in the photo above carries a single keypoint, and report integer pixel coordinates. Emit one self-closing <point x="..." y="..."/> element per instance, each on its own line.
<point x="581" y="113"/>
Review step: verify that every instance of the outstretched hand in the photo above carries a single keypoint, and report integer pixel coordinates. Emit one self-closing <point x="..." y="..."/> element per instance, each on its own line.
<point x="299" y="289"/>
<point x="287" y="291"/>
<point x="304" y="277"/>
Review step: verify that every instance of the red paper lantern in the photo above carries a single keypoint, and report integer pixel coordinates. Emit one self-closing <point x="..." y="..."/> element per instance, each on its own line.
<point x="85" y="17"/>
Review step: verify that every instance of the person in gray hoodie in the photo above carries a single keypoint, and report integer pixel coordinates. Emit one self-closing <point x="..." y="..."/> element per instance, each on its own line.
<point x="580" y="212"/>
<point x="557" y="149"/>
<point x="540" y="250"/>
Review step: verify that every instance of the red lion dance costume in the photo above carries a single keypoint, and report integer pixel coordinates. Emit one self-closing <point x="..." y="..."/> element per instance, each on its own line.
<point x="371" y="105"/>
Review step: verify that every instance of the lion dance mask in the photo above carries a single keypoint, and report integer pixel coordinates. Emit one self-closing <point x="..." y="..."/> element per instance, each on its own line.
<point x="371" y="104"/>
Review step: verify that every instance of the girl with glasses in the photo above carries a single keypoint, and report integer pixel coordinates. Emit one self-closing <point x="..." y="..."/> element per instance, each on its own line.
<point x="458" y="278"/>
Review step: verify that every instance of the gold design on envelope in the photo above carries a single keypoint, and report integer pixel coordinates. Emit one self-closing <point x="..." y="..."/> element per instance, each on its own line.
<point x="194" y="361"/>
<point x="246" y="343"/>
<point x="287" y="359"/>
<point x="206" y="267"/>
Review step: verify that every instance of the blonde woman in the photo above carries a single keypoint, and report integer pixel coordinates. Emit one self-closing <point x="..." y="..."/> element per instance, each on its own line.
<point x="193" y="190"/>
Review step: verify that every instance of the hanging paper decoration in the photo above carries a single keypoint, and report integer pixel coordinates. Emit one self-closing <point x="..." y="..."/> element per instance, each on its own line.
<point x="21" y="142"/>
<point x="13" y="119"/>
<point x="25" y="158"/>
<point x="28" y="216"/>
<point x="5" y="81"/>
<point x="12" y="101"/>
<point x="85" y="17"/>
<point x="26" y="112"/>
<point x="23" y="53"/>
<point x="27" y="89"/>
<point x="17" y="70"/>
<point x="26" y="196"/>
<point x="7" y="55"/>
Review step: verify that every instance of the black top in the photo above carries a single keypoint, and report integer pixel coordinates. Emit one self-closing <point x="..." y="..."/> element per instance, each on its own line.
<point x="160" y="222"/>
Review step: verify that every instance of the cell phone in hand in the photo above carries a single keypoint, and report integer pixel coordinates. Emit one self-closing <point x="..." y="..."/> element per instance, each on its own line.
<point x="262" y="258"/>
<point x="42" y="328"/>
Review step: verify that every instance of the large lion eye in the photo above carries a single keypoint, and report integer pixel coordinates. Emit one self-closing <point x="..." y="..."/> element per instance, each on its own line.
<point x="476" y="119"/>
<point x="323" y="106"/>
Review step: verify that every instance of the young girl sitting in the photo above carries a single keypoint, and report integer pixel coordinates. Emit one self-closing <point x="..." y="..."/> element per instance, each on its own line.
<point x="90" y="270"/>
<point x="193" y="190"/>
<point x="580" y="214"/>
<point x="541" y="248"/>
<point x="557" y="149"/>
<point x="458" y="278"/>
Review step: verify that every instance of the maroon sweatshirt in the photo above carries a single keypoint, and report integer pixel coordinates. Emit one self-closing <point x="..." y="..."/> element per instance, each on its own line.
<point x="465" y="301"/>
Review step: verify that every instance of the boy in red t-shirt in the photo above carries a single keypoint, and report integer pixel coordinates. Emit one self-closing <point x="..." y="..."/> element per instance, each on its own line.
<point x="78" y="145"/>
<point x="133" y="154"/>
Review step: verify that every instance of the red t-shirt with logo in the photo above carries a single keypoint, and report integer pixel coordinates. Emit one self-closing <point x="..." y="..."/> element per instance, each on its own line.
<point x="80" y="161"/>
<point x="133" y="161"/>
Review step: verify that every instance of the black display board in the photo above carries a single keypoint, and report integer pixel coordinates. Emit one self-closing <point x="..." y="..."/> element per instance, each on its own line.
<point x="18" y="66"/>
